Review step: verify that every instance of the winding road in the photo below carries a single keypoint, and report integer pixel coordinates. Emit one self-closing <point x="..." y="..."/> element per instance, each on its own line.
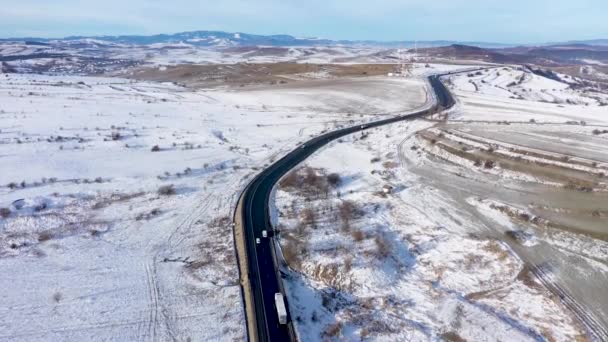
<point x="263" y="266"/>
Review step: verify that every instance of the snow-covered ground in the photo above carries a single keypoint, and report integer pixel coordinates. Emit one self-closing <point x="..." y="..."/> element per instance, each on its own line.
<point x="116" y="199"/>
<point x="485" y="225"/>
<point x="411" y="265"/>
<point x="97" y="57"/>
<point x="514" y="94"/>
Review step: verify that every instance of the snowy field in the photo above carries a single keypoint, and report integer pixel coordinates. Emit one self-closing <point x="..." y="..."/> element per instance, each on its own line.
<point x="116" y="199"/>
<point x="96" y="56"/>
<point x="490" y="216"/>
<point x="405" y="266"/>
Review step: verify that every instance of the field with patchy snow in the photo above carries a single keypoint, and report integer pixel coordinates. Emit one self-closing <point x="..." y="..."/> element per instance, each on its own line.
<point x="491" y="216"/>
<point x="116" y="199"/>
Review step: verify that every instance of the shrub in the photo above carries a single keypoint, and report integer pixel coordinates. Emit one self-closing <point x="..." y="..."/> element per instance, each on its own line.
<point x="489" y="164"/>
<point x="5" y="212"/>
<point x="348" y="211"/>
<point x="358" y="235"/>
<point x="155" y="148"/>
<point x="293" y="254"/>
<point x="390" y="165"/>
<point x="333" y="330"/>
<point x="524" y="217"/>
<point x="166" y="190"/>
<point x="309" y="217"/>
<point x="334" y="179"/>
<point x="45" y="236"/>
<point x="382" y="246"/>
<point x="348" y="264"/>
<point x="290" y="180"/>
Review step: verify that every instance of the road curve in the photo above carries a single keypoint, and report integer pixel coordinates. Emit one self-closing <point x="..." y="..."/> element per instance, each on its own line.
<point x="263" y="266"/>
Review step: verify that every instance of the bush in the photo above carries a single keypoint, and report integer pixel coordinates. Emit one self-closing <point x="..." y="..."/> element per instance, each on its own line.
<point x="382" y="246"/>
<point x="5" y="212"/>
<point x="489" y="164"/>
<point x="166" y="190"/>
<point x="333" y="330"/>
<point x="45" y="236"/>
<point x="312" y="179"/>
<point x="309" y="217"/>
<point x="293" y="254"/>
<point x="348" y="264"/>
<point x="358" y="235"/>
<point x="349" y="211"/>
<point x="155" y="148"/>
<point x="290" y="180"/>
<point x="334" y="179"/>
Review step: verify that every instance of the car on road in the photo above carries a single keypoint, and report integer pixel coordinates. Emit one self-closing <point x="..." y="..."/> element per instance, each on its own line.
<point x="257" y="241"/>
<point x="264" y="233"/>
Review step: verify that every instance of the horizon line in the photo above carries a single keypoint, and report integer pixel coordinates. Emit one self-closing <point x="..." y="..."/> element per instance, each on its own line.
<point x="299" y="37"/>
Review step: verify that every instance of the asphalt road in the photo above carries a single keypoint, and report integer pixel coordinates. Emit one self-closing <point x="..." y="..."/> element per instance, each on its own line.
<point x="264" y="274"/>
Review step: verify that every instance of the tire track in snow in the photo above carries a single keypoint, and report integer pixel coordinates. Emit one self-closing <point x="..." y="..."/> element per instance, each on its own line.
<point x="593" y="325"/>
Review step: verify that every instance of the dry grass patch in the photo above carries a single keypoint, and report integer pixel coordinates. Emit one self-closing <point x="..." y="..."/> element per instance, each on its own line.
<point x="528" y="278"/>
<point x="358" y="235"/>
<point x="452" y="336"/>
<point x="333" y="330"/>
<point x="45" y="236"/>
<point x="497" y="249"/>
<point x="383" y="246"/>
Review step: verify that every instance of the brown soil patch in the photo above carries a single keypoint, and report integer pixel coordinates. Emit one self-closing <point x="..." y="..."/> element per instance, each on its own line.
<point x="242" y="74"/>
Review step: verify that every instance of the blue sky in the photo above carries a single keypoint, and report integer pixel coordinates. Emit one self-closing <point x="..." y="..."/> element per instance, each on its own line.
<point x="508" y="21"/>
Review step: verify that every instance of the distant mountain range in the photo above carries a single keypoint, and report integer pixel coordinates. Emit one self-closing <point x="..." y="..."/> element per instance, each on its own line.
<point x="225" y="39"/>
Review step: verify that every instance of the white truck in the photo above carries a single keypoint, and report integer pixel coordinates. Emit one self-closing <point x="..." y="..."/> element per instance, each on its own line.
<point x="280" y="304"/>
